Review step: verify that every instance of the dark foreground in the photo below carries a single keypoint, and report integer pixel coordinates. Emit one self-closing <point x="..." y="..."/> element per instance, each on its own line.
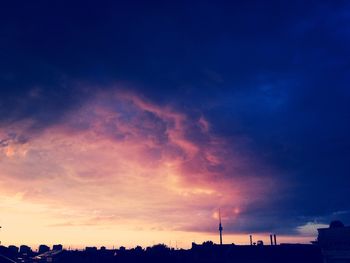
<point x="160" y="253"/>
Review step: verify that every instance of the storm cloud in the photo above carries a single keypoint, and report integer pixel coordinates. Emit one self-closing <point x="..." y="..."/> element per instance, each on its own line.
<point x="247" y="102"/>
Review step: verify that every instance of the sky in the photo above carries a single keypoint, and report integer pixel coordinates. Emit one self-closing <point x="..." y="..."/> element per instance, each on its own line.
<point x="133" y="122"/>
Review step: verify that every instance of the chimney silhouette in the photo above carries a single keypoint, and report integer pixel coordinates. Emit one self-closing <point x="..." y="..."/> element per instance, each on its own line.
<point x="274" y="238"/>
<point x="271" y="240"/>
<point x="251" y="240"/>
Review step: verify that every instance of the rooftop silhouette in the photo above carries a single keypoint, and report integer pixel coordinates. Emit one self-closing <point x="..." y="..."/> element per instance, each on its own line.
<point x="332" y="245"/>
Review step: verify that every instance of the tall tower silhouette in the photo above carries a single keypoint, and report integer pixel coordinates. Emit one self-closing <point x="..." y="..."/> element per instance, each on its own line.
<point x="220" y="227"/>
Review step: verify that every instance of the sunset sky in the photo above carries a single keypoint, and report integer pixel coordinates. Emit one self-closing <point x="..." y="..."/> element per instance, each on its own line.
<point x="133" y="122"/>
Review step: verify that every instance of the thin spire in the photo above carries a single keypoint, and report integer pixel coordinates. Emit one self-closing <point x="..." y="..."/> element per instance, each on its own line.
<point x="220" y="227"/>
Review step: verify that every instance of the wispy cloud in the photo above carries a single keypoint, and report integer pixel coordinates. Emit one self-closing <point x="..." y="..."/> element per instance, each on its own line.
<point x="122" y="160"/>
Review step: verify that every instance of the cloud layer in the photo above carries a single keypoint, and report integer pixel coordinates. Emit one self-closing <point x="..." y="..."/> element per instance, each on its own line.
<point x="122" y="160"/>
<point x="159" y="113"/>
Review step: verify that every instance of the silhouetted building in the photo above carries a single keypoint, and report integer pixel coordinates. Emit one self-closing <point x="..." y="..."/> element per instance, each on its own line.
<point x="50" y="256"/>
<point x="43" y="249"/>
<point x="57" y="247"/>
<point x="23" y="249"/>
<point x="91" y="249"/>
<point x="295" y="253"/>
<point x="13" y="249"/>
<point x="122" y="248"/>
<point x="334" y="242"/>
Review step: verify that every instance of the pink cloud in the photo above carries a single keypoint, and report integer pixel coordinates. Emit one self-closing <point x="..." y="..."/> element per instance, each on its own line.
<point x="122" y="160"/>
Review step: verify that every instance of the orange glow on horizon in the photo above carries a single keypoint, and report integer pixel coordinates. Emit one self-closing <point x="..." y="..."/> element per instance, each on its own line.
<point x="120" y="171"/>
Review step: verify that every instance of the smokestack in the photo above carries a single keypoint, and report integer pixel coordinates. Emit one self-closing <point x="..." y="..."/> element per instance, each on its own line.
<point x="251" y="240"/>
<point x="271" y="242"/>
<point x="274" y="238"/>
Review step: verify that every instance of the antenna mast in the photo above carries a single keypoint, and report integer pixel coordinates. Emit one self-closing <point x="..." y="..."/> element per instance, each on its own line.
<point x="220" y="227"/>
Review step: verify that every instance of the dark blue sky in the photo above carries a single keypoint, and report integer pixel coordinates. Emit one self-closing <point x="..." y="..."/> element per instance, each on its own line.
<point x="275" y="73"/>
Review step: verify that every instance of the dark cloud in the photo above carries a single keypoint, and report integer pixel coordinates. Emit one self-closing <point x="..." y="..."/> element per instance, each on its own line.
<point x="273" y="73"/>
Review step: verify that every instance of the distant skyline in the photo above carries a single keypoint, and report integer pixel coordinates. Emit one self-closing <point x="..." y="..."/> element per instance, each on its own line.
<point x="132" y="123"/>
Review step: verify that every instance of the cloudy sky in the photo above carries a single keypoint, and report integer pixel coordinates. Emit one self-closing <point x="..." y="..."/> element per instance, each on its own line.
<point x="133" y="122"/>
